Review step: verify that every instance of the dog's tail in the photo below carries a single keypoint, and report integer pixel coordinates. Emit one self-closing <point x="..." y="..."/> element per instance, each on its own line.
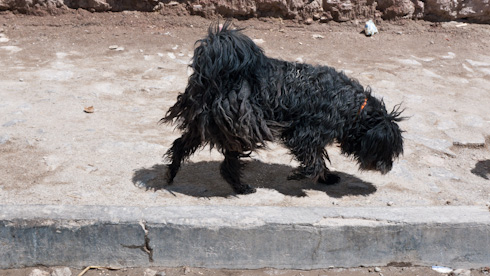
<point x="222" y="99"/>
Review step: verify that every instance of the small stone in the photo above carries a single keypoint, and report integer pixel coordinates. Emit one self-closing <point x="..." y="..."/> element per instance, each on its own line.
<point x="61" y="271"/>
<point x="399" y="33"/>
<point x="377" y="269"/>
<point x="171" y="55"/>
<point x="38" y="272"/>
<point x="309" y="21"/>
<point x="113" y="47"/>
<point x="161" y="273"/>
<point x="258" y="41"/>
<point x="90" y="168"/>
<point x="390" y="203"/>
<point x="150" y="272"/>
<point x="324" y="19"/>
<point x="317" y="36"/>
<point x="441" y="269"/>
<point x="299" y="60"/>
<point x="197" y="8"/>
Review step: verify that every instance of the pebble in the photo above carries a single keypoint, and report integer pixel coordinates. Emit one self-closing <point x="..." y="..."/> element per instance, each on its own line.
<point x="442" y="269"/>
<point x="3" y="38"/>
<point x="309" y="21"/>
<point x="390" y="203"/>
<point x="150" y="272"/>
<point x="61" y="271"/>
<point x="258" y="41"/>
<point x="38" y="272"/>
<point x="317" y="36"/>
<point x="171" y="55"/>
<point x="377" y="269"/>
<point x="90" y="168"/>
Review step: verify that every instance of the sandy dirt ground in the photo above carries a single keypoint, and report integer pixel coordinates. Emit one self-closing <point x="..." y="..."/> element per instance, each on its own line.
<point x="131" y="66"/>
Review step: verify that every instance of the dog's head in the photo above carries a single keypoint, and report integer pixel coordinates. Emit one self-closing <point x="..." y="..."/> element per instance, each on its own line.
<point x="376" y="140"/>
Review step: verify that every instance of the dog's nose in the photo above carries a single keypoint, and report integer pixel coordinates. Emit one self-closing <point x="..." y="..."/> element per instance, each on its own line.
<point x="384" y="167"/>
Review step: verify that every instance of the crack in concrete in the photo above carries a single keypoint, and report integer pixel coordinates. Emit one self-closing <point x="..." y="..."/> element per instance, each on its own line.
<point x="145" y="247"/>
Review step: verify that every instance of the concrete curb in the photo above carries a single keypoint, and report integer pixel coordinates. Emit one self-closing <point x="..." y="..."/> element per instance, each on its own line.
<point x="243" y="237"/>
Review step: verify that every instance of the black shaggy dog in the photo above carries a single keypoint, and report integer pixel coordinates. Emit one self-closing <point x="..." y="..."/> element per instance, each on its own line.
<point x="237" y="99"/>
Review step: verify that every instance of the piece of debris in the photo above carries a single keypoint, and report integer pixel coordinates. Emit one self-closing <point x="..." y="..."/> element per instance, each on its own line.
<point x="441" y="269"/>
<point x="89" y="109"/>
<point x="370" y="29"/>
<point x="258" y="41"/>
<point x="317" y="36"/>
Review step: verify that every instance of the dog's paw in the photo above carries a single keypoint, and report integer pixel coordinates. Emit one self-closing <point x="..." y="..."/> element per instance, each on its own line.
<point x="244" y="189"/>
<point x="296" y="174"/>
<point x="329" y="179"/>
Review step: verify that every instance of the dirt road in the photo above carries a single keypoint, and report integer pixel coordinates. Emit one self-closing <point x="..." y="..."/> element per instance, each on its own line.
<point x="130" y="67"/>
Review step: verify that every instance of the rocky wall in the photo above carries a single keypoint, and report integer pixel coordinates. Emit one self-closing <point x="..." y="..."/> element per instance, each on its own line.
<point x="307" y="10"/>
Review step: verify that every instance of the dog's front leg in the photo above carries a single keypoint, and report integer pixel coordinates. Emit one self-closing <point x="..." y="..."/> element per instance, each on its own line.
<point x="310" y="155"/>
<point x="230" y="171"/>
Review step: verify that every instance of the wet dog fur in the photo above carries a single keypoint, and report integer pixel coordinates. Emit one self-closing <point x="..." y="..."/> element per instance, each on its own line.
<point x="238" y="99"/>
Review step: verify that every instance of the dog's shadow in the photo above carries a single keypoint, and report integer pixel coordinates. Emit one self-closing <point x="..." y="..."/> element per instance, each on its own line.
<point x="202" y="179"/>
<point x="482" y="169"/>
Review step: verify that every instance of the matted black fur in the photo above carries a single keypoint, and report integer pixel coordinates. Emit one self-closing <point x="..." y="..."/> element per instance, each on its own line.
<point x="237" y="99"/>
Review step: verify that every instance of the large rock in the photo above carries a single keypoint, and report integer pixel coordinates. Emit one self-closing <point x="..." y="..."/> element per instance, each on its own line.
<point x="323" y="10"/>
<point x="442" y="10"/>
<point x="345" y="10"/>
<point x="38" y="7"/>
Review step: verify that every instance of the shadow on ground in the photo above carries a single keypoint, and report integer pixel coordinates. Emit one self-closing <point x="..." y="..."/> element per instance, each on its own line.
<point x="482" y="169"/>
<point x="202" y="179"/>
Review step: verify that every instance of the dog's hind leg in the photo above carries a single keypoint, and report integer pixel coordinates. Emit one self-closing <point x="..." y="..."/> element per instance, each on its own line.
<point x="230" y="171"/>
<point x="181" y="149"/>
